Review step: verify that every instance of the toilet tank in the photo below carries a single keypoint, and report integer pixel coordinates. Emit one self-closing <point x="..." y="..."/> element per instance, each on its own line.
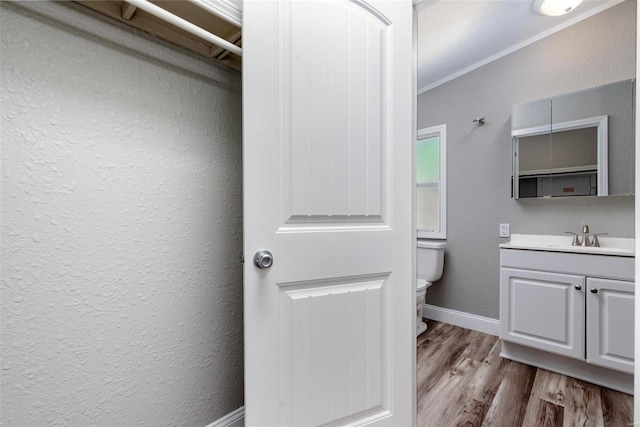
<point x="430" y="260"/>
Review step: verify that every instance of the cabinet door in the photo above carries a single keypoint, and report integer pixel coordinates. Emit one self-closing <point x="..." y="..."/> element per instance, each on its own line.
<point x="610" y="320"/>
<point x="543" y="310"/>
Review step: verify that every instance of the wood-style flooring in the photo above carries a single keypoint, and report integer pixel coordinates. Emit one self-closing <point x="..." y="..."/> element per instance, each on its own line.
<point x="463" y="381"/>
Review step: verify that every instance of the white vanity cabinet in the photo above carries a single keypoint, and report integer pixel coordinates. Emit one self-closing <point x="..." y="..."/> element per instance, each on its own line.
<point x="543" y="310"/>
<point x="571" y="313"/>
<point x="610" y="325"/>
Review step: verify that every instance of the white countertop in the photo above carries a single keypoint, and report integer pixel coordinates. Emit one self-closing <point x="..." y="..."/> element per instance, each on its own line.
<point x="539" y="242"/>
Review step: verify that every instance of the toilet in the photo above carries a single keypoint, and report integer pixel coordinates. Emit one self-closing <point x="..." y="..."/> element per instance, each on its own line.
<point x="430" y="262"/>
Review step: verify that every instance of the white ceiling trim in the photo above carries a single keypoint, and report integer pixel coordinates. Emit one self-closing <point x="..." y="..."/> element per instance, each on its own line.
<point x="418" y="5"/>
<point x="581" y="17"/>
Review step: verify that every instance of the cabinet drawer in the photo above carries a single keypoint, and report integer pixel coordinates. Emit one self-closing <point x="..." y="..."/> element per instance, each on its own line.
<point x="543" y="310"/>
<point x="610" y="267"/>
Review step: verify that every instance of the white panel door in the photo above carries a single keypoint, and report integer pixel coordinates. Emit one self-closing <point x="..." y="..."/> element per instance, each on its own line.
<point x="610" y="323"/>
<point x="543" y="310"/>
<point x="327" y="99"/>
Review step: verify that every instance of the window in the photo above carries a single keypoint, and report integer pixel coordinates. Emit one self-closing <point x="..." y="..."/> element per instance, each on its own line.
<point x="431" y="180"/>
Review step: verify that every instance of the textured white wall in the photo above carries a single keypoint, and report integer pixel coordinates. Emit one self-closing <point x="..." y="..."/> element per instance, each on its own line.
<point x="121" y="226"/>
<point x="479" y="157"/>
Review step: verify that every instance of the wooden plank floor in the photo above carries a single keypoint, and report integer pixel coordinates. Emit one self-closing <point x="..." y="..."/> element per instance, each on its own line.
<point x="463" y="381"/>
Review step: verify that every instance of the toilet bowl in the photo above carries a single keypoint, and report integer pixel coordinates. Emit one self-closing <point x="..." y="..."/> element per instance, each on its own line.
<point x="430" y="264"/>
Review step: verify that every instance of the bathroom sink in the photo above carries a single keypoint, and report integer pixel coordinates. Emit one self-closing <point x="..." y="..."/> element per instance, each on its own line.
<point x="537" y="242"/>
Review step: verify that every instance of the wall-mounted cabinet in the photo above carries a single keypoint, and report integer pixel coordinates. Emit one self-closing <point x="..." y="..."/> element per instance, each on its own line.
<point x="577" y="308"/>
<point x="575" y="144"/>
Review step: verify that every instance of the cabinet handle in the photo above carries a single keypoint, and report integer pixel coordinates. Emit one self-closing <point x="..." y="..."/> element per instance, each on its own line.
<point x="578" y="287"/>
<point x="594" y="291"/>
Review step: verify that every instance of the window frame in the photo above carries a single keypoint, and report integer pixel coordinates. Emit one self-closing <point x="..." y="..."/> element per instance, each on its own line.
<point x="441" y="132"/>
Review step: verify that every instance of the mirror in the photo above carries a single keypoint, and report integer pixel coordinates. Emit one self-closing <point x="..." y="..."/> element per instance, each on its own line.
<point x="576" y="144"/>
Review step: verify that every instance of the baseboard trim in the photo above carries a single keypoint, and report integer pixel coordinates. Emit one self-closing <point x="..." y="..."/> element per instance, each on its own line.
<point x="464" y="320"/>
<point x="233" y="419"/>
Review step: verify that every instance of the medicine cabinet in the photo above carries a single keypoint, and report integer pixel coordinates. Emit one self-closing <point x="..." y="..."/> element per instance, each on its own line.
<point x="576" y="144"/>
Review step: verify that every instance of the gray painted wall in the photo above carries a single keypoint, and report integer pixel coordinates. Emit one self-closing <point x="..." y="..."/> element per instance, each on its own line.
<point x="121" y="226"/>
<point x="479" y="157"/>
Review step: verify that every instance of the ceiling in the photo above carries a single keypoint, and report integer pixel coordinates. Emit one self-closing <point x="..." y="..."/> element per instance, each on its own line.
<point x="454" y="36"/>
<point x="457" y="36"/>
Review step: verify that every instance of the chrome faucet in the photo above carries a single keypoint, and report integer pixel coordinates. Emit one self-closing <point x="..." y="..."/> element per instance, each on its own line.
<point x="585" y="236"/>
<point x="595" y="242"/>
<point x="585" y="241"/>
<point x="576" y="238"/>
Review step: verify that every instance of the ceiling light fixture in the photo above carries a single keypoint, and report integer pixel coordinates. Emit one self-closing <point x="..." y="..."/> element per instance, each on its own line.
<point x="555" y="7"/>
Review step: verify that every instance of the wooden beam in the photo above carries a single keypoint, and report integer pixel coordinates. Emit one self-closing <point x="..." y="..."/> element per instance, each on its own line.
<point x="127" y="10"/>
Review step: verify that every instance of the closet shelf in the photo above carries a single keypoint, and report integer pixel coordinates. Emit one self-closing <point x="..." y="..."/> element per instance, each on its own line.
<point x="220" y="18"/>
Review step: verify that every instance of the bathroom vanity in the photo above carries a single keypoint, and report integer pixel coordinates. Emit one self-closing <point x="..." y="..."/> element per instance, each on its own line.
<point x="569" y="309"/>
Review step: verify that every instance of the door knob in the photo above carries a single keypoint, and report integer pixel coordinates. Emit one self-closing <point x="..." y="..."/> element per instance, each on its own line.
<point x="578" y="287"/>
<point x="594" y="291"/>
<point x="263" y="259"/>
